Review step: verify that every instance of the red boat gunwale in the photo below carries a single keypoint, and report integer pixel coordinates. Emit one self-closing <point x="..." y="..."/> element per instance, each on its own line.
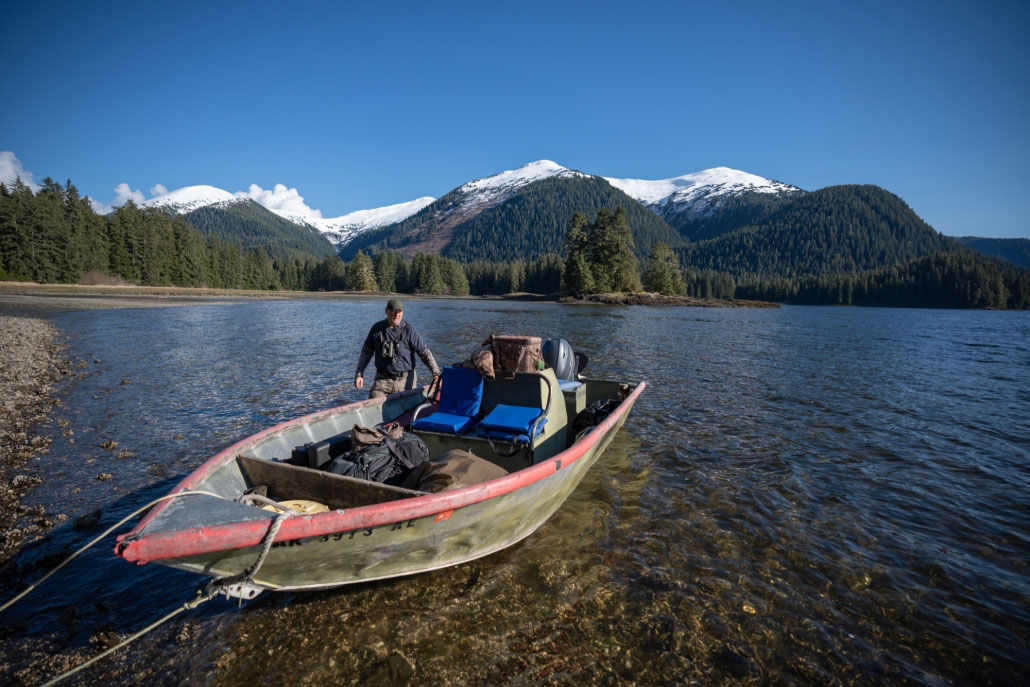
<point x="142" y="548"/>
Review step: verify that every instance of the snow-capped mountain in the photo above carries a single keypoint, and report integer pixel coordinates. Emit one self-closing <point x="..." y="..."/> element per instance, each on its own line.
<point x="472" y="198"/>
<point x="339" y="230"/>
<point x="514" y="215"/>
<point x="190" y="198"/>
<point x="682" y="201"/>
<point x="700" y="194"/>
<point x="342" y="229"/>
<point x="499" y="186"/>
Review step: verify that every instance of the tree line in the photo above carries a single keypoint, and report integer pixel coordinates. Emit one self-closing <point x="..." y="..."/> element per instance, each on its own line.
<point x="54" y="236"/>
<point x="960" y="279"/>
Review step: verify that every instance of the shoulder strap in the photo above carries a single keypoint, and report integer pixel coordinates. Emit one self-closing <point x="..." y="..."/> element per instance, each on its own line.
<point x="397" y="452"/>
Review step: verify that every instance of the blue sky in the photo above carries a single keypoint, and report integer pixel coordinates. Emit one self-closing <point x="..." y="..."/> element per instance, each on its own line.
<point x="360" y="105"/>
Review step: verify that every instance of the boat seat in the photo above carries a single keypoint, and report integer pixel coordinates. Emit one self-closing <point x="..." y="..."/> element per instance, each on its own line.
<point x="461" y="394"/>
<point x="513" y="423"/>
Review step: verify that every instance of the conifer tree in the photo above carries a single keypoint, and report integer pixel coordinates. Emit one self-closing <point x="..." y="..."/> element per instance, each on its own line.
<point x="612" y="260"/>
<point x="361" y="274"/>
<point x="454" y="278"/>
<point x="577" y="276"/>
<point x="426" y="275"/>
<point x="15" y="234"/>
<point x="386" y="263"/>
<point x="663" y="273"/>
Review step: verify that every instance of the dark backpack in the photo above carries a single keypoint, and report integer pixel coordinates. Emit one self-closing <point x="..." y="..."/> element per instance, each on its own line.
<point x="389" y="462"/>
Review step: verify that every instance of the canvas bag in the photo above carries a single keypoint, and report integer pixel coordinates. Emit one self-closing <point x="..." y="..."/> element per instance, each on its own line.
<point x="452" y="470"/>
<point x="362" y="436"/>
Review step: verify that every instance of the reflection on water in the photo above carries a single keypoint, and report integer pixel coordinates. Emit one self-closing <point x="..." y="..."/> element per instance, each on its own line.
<point x="802" y="495"/>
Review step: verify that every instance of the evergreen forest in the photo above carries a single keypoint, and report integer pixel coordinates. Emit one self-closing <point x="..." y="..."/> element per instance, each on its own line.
<point x="836" y="230"/>
<point x="249" y="225"/>
<point x="848" y="245"/>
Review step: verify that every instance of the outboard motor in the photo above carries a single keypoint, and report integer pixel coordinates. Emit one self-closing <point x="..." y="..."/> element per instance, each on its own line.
<point x="559" y="356"/>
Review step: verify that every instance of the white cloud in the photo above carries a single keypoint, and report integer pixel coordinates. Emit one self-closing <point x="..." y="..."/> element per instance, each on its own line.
<point x="99" y="207"/>
<point x="11" y="169"/>
<point x="123" y="194"/>
<point x="281" y="199"/>
<point x="278" y="199"/>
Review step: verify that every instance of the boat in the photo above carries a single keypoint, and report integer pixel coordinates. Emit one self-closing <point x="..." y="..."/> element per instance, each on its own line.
<point x="372" y="530"/>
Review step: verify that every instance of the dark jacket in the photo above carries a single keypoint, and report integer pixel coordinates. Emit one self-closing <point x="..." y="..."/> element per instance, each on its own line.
<point x="406" y="344"/>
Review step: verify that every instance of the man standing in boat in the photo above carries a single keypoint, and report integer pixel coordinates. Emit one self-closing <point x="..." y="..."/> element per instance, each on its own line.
<point x="395" y="345"/>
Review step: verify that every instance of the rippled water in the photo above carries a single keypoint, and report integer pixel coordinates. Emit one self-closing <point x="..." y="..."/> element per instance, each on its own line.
<point x="801" y="495"/>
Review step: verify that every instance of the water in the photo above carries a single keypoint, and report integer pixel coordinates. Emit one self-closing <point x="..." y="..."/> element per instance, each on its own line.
<point x="801" y="495"/>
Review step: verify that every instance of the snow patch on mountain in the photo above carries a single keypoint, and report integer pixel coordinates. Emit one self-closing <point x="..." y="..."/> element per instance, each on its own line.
<point x="289" y="204"/>
<point x="691" y="195"/>
<point x="190" y="198"/>
<point x="516" y="178"/>
<point x="704" y="186"/>
<point x="492" y="190"/>
<point x="344" y="228"/>
<point x="699" y="195"/>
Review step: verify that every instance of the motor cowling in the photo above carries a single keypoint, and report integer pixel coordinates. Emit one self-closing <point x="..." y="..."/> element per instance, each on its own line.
<point x="559" y="357"/>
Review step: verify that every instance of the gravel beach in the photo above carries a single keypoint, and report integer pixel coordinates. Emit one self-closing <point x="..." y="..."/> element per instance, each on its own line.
<point x="30" y="365"/>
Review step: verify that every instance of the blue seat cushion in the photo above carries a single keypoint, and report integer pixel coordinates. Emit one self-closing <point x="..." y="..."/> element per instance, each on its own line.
<point x="461" y="392"/>
<point x="504" y="435"/>
<point x="516" y="419"/>
<point x="443" y="422"/>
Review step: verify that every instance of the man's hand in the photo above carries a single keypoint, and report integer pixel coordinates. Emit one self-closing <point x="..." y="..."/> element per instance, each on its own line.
<point x="359" y="381"/>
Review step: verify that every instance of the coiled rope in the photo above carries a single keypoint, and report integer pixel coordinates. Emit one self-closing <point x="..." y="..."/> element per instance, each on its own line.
<point x="213" y="589"/>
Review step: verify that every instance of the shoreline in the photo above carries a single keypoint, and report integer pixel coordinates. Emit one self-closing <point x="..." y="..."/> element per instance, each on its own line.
<point x="94" y="297"/>
<point x="31" y="364"/>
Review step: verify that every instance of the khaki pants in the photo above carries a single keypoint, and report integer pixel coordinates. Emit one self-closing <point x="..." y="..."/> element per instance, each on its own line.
<point x="383" y="386"/>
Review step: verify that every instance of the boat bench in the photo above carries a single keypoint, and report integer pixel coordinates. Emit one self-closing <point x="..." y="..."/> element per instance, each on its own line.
<point x="286" y="481"/>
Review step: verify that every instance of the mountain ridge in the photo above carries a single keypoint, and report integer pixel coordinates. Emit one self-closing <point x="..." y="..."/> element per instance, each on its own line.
<point x="691" y="201"/>
<point x="835" y="230"/>
<point x="248" y="224"/>
<point x="684" y="198"/>
<point x="522" y="213"/>
<point x="494" y="219"/>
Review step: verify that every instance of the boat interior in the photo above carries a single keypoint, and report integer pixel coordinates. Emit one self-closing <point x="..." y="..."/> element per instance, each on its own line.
<point x="291" y="464"/>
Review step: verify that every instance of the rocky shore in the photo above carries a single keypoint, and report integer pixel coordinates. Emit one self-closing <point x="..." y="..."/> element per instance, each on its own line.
<point x="30" y="365"/>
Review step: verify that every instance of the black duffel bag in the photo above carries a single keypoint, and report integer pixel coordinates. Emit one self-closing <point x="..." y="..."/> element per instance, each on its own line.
<point x="389" y="462"/>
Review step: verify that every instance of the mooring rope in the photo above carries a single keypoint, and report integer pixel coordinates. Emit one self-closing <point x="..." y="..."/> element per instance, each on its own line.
<point x="201" y="598"/>
<point x="213" y="589"/>
<point x="106" y="532"/>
